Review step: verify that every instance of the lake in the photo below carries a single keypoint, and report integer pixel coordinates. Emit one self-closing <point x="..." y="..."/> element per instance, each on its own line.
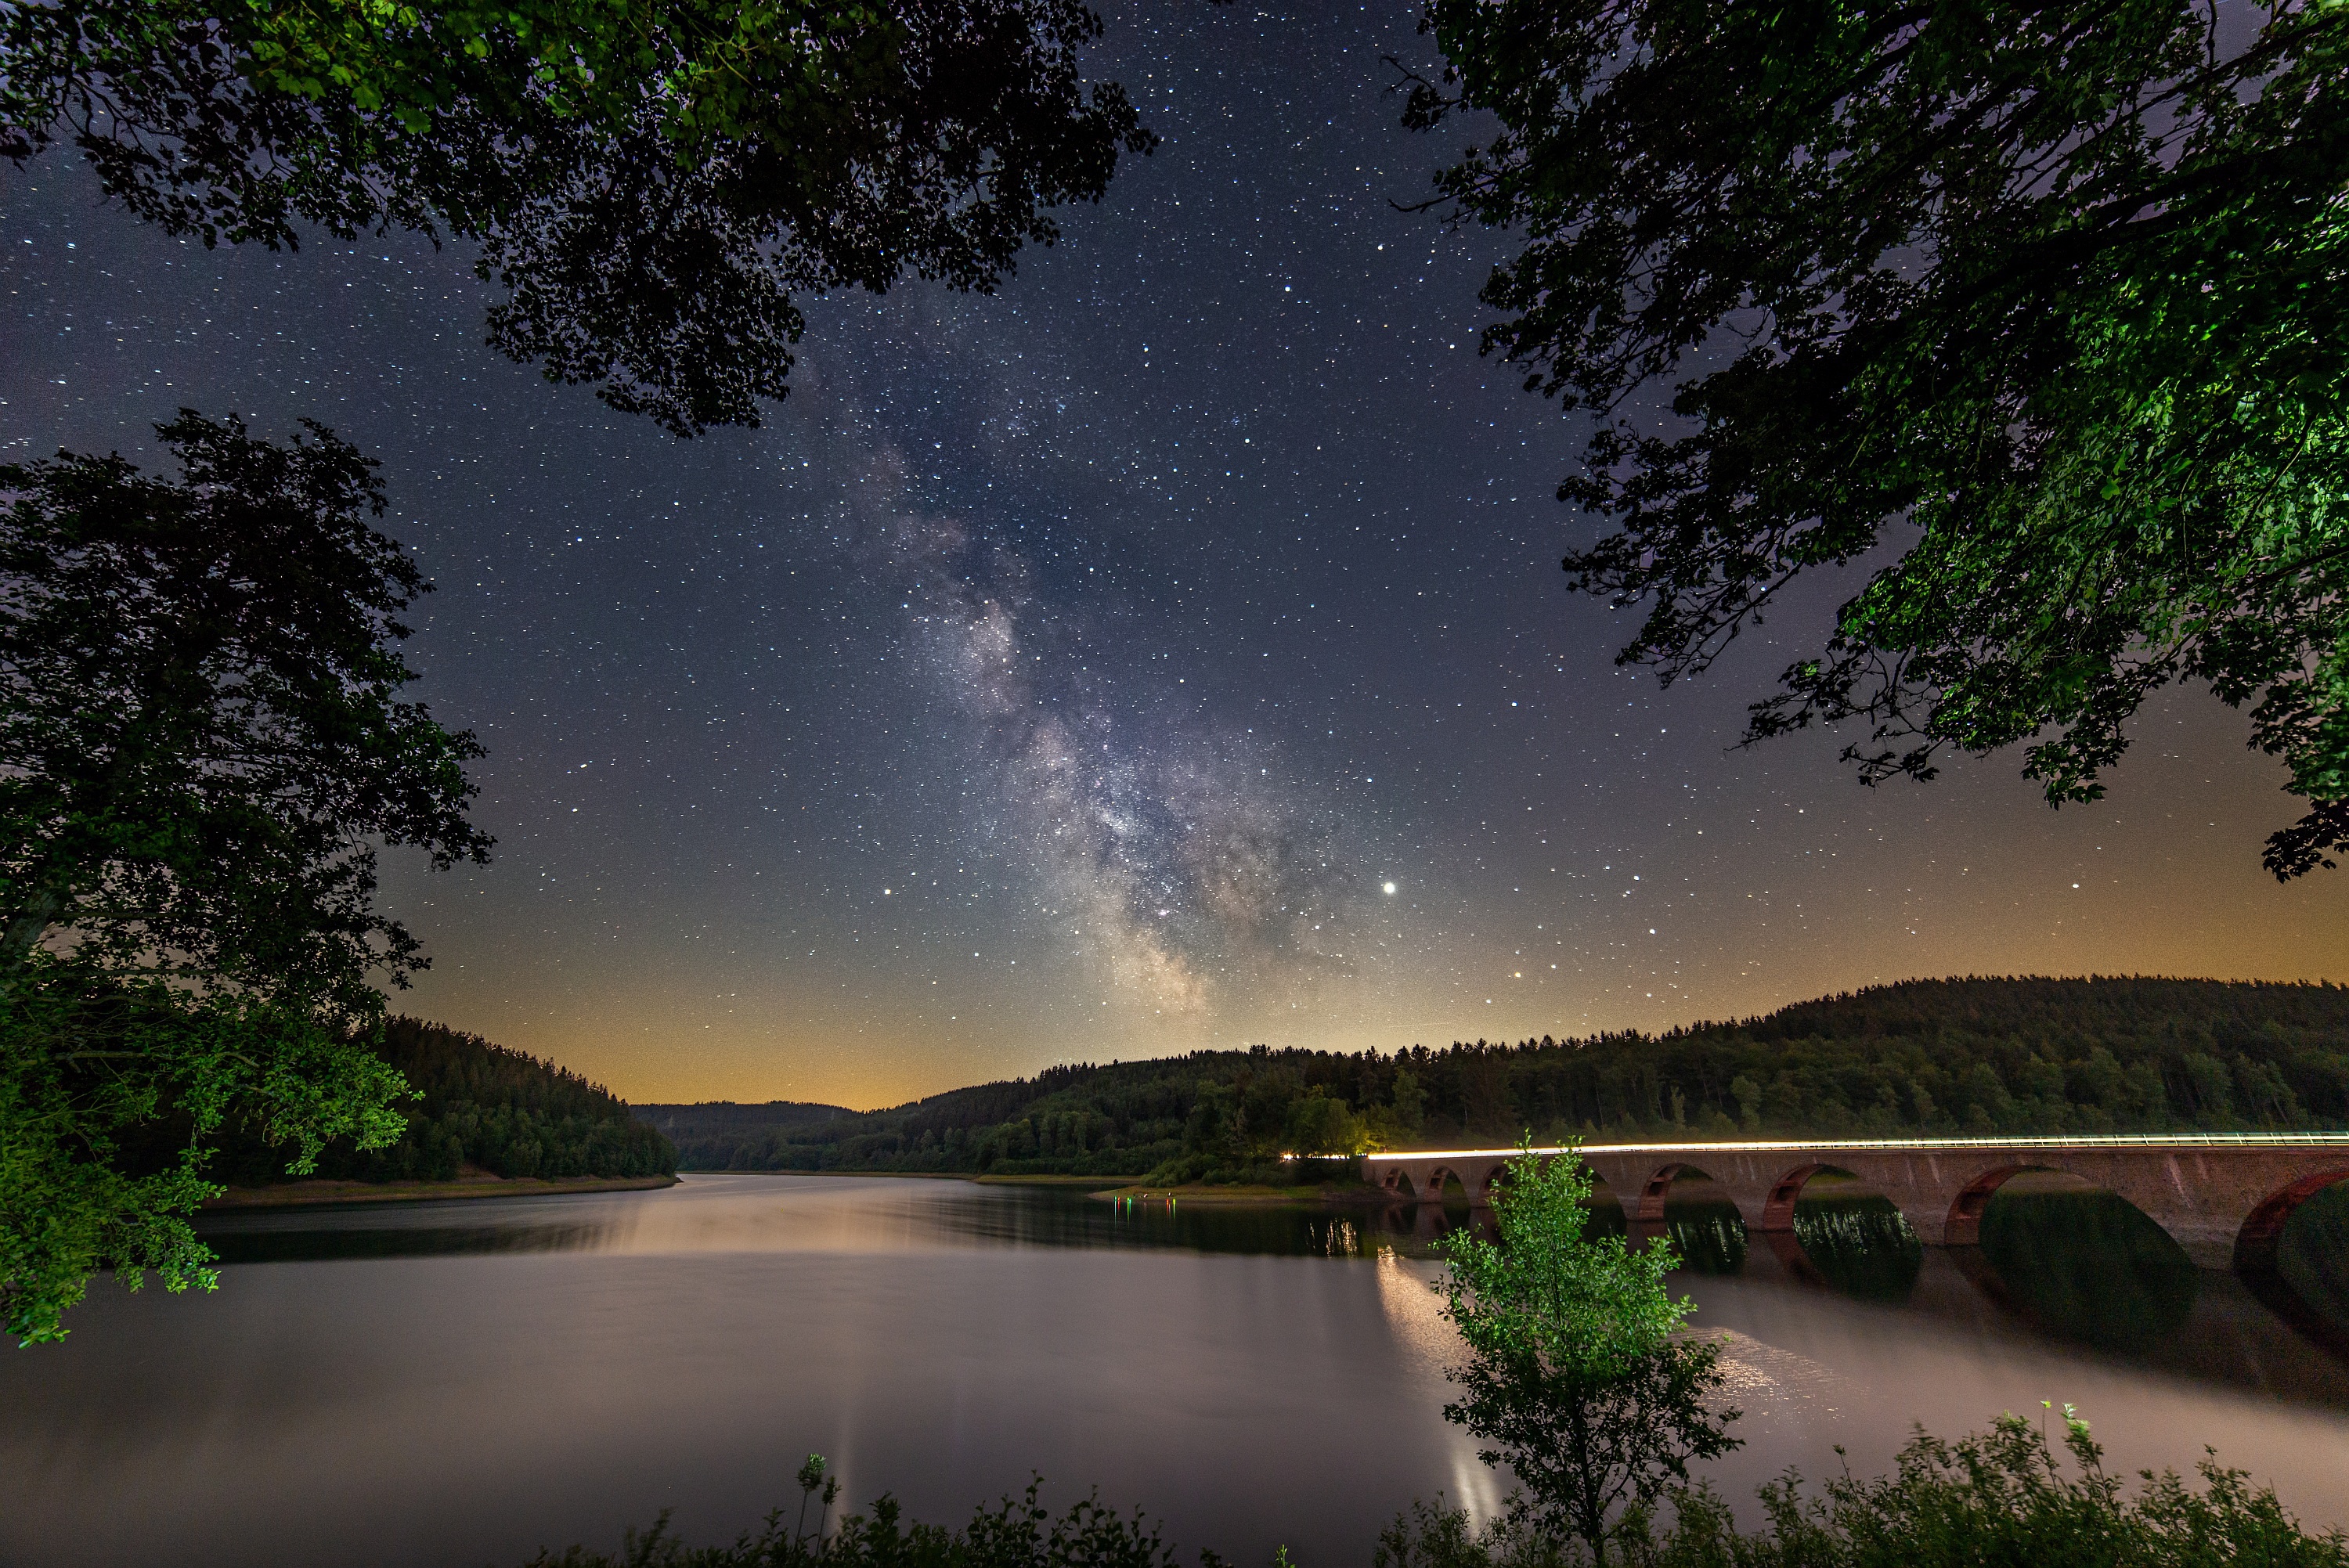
<point x="462" y="1383"/>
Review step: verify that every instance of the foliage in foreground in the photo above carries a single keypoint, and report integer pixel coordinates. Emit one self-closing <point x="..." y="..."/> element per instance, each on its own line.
<point x="2042" y="295"/>
<point x="2003" y="1496"/>
<point x="202" y="749"/>
<point x="477" y="1104"/>
<point x="1017" y="1532"/>
<point x="1577" y="1376"/>
<point x="1998" y="1496"/>
<point x="1923" y="1056"/>
<point x="96" y="1071"/>
<point x="651" y="184"/>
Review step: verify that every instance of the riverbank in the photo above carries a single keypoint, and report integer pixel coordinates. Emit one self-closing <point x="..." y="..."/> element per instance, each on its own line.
<point x="1092" y="1181"/>
<point x="971" y="1176"/>
<point x="1325" y="1193"/>
<point x="322" y="1194"/>
<point x="1121" y="1189"/>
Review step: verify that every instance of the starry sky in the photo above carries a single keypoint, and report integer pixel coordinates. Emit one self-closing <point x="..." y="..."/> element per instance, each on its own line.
<point x="1167" y="652"/>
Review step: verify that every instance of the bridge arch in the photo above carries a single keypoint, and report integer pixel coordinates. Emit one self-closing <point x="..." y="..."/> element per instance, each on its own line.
<point x="1658" y="1188"/>
<point x="2093" y="1265"/>
<point x="1432" y="1190"/>
<point x="1859" y="1242"/>
<point x="2256" y="1242"/>
<point x="1778" y="1208"/>
<point x="2200" y="1190"/>
<point x="1963" y="1226"/>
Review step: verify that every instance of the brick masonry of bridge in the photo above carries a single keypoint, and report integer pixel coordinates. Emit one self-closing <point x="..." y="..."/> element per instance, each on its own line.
<point x="2225" y="1202"/>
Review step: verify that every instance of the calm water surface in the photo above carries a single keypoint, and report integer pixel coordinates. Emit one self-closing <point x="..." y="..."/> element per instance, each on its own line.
<point x="463" y="1383"/>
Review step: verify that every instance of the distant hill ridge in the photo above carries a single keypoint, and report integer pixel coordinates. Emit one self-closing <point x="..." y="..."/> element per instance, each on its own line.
<point x="1976" y="1055"/>
<point x="716" y="1126"/>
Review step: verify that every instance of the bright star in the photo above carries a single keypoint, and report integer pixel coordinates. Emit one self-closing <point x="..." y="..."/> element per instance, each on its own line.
<point x="1390" y="887"/>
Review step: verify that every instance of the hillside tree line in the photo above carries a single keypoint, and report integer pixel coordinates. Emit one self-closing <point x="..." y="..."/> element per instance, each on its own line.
<point x="1923" y="1057"/>
<point x="480" y="1105"/>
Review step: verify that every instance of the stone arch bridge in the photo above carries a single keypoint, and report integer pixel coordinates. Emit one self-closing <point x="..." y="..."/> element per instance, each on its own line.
<point x="2223" y="1196"/>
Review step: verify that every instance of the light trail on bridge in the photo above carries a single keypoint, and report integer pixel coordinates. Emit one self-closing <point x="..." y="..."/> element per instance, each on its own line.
<point x="1789" y="1145"/>
<point x="2223" y="1196"/>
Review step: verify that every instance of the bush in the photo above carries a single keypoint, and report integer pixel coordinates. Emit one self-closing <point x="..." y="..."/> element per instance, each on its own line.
<point x="1019" y="1533"/>
<point x="1998" y="1496"/>
<point x="1577" y="1376"/>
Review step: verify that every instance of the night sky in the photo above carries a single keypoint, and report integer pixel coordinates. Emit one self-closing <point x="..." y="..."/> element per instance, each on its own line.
<point x="1168" y="652"/>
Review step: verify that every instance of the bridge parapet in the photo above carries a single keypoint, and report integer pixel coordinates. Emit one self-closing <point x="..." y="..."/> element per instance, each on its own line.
<point x="2223" y="1196"/>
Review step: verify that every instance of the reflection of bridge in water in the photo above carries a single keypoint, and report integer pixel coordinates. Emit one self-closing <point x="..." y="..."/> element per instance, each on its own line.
<point x="2223" y="1197"/>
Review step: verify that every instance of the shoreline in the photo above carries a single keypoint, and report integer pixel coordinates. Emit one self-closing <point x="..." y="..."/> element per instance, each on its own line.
<point x="1235" y="1196"/>
<point x="326" y="1194"/>
<point x="976" y="1178"/>
<point x="1123" y="1189"/>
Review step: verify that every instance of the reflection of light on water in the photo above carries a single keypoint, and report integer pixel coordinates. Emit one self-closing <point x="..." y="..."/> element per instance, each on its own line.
<point x="1414" y="1312"/>
<point x="1743" y="1377"/>
<point x="1750" y="1367"/>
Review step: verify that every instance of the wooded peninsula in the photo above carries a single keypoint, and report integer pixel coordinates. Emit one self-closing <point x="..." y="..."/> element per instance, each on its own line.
<point x="481" y="1110"/>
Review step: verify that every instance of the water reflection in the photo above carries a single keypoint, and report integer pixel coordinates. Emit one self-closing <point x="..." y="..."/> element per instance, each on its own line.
<point x="551" y="1369"/>
<point x="1859" y="1245"/>
<point x="2312" y="1259"/>
<point x="721" y="1214"/>
<point x="2079" y="1267"/>
<point x="2060" y="1263"/>
<point x="1051" y="1217"/>
<point x="2087" y="1265"/>
<point x="312" y="1245"/>
<point x="1707" y="1232"/>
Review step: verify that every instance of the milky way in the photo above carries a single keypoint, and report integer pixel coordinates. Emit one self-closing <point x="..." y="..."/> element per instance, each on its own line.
<point x="1158" y="848"/>
<point x="1067" y="674"/>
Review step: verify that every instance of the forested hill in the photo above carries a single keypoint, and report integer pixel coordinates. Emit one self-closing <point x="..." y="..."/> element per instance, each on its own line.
<point x="706" y="1135"/>
<point x="484" y="1105"/>
<point x="1971" y="1056"/>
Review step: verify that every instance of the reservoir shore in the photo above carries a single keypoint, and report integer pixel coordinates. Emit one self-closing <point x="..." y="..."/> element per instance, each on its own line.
<point x="322" y="1194"/>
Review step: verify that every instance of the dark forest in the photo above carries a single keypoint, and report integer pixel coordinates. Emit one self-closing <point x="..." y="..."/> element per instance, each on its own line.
<point x="1953" y="1056"/>
<point x="480" y="1105"/>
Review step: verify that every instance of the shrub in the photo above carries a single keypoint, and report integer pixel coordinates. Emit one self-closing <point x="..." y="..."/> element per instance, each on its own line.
<point x="2003" y="1496"/>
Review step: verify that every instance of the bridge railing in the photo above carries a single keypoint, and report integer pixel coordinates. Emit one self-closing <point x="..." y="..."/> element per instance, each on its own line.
<point x="1792" y="1145"/>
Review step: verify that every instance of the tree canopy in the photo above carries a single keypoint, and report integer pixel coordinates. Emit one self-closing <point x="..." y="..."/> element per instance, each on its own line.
<point x="201" y="748"/>
<point x="2046" y="297"/>
<point x="652" y="186"/>
<point x="1574" y="1372"/>
<point x="479" y="1104"/>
